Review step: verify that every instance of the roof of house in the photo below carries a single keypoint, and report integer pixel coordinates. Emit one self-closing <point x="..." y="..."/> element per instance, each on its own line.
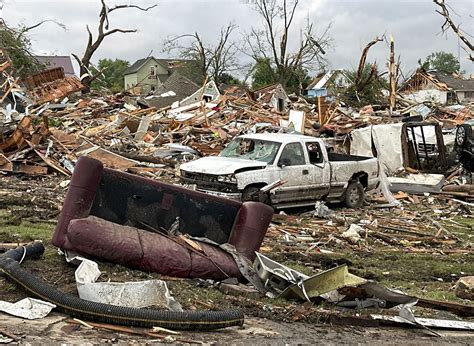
<point x="177" y="85"/>
<point x="316" y="80"/>
<point x="168" y="64"/>
<point x="52" y="61"/>
<point x="137" y="65"/>
<point x="454" y="82"/>
<point x="265" y="94"/>
<point x="233" y="90"/>
<point x="441" y="80"/>
<point x="266" y="88"/>
<point x="321" y="80"/>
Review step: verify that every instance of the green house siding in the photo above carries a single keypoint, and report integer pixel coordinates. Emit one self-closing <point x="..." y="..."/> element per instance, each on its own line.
<point x="143" y="77"/>
<point x="130" y="80"/>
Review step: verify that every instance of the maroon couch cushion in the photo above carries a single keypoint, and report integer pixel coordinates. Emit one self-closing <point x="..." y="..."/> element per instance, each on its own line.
<point x="148" y="251"/>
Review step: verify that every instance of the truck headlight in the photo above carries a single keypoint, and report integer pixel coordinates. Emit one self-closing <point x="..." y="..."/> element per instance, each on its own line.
<point x="229" y="178"/>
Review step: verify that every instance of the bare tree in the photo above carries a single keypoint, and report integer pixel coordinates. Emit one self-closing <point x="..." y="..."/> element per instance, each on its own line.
<point x="211" y="60"/>
<point x="449" y="23"/>
<point x="272" y="42"/>
<point x="103" y="31"/>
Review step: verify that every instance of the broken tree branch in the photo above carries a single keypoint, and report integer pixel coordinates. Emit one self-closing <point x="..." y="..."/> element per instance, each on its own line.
<point x="449" y="23"/>
<point x="34" y="26"/>
<point x="363" y="59"/>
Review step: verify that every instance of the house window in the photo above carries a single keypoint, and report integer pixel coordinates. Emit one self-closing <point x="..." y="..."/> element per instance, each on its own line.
<point x="281" y="105"/>
<point x="469" y="94"/>
<point x="451" y="97"/>
<point x="152" y="71"/>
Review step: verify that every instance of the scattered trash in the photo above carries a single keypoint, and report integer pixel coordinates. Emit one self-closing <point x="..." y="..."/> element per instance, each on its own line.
<point x="28" y="308"/>
<point x="291" y="284"/>
<point x="417" y="183"/>
<point x="465" y="288"/>
<point x="353" y="233"/>
<point x="428" y="322"/>
<point x="321" y="210"/>
<point x="138" y="294"/>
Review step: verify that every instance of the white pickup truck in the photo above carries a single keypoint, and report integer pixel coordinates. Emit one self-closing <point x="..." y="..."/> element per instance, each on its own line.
<point x="251" y="164"/>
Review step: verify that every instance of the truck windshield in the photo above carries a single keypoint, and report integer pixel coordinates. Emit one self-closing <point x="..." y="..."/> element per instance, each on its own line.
<point x="251" y="149"/>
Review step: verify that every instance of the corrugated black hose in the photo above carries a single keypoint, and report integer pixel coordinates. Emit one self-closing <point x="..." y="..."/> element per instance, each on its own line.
<point x="99" y="312"/>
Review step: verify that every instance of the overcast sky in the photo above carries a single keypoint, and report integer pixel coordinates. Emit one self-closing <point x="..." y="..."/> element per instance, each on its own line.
<point x="414" y="24"/>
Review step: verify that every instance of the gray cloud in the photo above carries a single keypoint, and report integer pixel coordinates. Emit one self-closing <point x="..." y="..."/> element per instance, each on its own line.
<point x="413" y="23"/>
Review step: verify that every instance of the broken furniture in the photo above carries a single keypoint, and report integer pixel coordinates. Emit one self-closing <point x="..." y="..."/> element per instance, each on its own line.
<point x="421" y="153"/>
<point x="123" y="218"/>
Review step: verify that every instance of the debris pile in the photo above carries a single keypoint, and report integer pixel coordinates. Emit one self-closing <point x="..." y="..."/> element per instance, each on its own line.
<point x="46" y="126"/>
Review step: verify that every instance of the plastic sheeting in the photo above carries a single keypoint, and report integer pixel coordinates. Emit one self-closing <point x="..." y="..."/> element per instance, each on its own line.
<point x="386" y="140"/>
<point x="28" y="308"/>
<point x="361" y="142"/>
<point x="137" y="294"/>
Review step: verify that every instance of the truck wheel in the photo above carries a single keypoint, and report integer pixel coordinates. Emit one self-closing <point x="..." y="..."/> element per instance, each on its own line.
<point x="253" y="194"/>
<point x="354" y="195"/>
<point x="462" y="134"/>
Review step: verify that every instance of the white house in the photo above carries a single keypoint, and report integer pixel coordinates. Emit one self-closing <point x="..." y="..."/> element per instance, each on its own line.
<point x="438" y="87"/>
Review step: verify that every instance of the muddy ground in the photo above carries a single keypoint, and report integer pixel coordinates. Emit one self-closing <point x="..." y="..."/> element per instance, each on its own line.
<point x="29" y="208"/>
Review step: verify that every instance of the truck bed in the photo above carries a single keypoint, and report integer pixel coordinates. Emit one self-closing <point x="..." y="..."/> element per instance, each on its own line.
<point x="343" y="157"/>
<point x="343" y="167"/>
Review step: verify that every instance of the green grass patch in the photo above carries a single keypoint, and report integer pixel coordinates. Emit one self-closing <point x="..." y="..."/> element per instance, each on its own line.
<point x="461" y="227"/>
<point x="27" y="231"/>
<point x="425" y="275"/>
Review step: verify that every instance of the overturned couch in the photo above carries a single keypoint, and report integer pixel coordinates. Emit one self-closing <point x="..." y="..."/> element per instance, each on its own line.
<point x="123" y="218"/>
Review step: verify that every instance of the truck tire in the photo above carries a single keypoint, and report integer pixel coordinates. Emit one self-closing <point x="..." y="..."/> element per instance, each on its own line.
<point x="354" y="195"/>
<point x="463" y="133"/>
<point x="252" y="193"/>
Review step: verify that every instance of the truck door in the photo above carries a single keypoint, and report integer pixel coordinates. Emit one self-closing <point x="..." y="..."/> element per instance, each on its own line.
<point x="319" y="170"/>
<point x="295" y="169"/>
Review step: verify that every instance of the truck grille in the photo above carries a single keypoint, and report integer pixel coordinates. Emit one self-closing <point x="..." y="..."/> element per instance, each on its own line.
<point x="208" y="178"/>
<point x="207" y="182"/>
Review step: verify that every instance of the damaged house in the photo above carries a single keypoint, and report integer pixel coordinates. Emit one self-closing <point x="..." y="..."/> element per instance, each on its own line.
<point x="147" y="74"/>
<point x="55" y="61"/>
<point x="328" y="83"/>
<point x="209" y="93"/>
<point x="272" y="95"/>
<point x="174" y="89"/>
<point x="438" y="87"/>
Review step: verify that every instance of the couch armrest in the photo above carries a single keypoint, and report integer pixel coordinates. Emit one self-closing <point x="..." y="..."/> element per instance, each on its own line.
<point x="250" y="227"/>
<point x="79" y="197"/>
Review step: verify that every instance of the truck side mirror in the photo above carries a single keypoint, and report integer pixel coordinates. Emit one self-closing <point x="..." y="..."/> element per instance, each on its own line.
<point x="284" y="162"/>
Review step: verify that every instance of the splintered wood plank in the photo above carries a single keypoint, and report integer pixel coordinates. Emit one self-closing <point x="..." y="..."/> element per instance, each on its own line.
<point x="25" y="169"/>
